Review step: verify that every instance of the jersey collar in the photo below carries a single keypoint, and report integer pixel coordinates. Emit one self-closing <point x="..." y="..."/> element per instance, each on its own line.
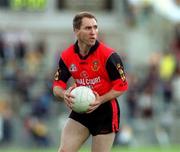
<point x="92" y="49"/>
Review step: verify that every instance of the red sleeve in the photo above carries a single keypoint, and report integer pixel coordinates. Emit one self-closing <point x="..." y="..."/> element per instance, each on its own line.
<point x="120" y="85"/>
<point x="62" y="75"/>
<point x="59" y="83"/>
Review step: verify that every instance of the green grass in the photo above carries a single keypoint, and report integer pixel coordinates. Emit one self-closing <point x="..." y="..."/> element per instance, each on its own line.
<point x="115" y="149"/>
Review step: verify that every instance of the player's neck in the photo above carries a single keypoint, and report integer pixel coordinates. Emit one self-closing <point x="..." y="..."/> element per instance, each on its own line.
<point x="83" y="49"/>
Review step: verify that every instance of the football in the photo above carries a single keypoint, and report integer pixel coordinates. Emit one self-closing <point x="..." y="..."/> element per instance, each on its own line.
<point x="83" y="97"/>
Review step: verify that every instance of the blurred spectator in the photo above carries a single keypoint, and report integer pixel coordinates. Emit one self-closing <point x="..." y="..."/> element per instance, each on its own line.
<point x="37" y="130"/>
<point x="167" y="94"/>
<point x="2" y="50"/>
<point x="129" y="13"/>
<point x="145" y="106"/>
<point x="151" y="79"/>
<point x="137" y="11"/>
<point x="19" y="74"/>
<point x="20" y="50"/>
<point x="132" y="97"/>
<point x="176" y="42"/>
<point x="41" y="47"/>
<point x="32" y="61"/>
<point x="167" y="66"/>
<point x="166" y="71"/>
<point x="6" y="126"/>
<point x="41" y="105"/>
<point x="176" y="89"/>
<point x="23" y="85"/>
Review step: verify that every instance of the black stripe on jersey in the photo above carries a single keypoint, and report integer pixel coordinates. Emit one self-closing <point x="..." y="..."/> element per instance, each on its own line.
<point x="64" y="71"/>
<point x="111" y="66"/>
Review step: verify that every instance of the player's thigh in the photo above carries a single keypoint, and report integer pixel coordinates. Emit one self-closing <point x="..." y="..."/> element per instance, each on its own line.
<point x="73" y="136"/>
<point x="102" y="143"/>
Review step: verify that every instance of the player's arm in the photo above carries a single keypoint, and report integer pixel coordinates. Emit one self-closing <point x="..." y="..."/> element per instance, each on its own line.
<point x="116" y="74"/>
<point x="60" y="80"/>
<point x="115" y="70"/>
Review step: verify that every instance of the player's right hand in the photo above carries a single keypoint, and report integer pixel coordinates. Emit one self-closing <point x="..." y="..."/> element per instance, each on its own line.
<point x="68" y="98"/>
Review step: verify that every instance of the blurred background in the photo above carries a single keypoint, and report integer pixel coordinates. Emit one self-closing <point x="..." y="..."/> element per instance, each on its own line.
<point x="146" y="34"/>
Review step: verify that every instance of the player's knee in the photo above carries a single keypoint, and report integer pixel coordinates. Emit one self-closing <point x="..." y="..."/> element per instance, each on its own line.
<point x="61" y="150"/>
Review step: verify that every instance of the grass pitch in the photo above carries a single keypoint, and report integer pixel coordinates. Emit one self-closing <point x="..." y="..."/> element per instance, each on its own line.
<point x="115" y="149"/>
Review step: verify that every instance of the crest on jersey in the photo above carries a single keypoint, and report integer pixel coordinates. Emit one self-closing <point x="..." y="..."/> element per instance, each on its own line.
<point x="73" y="68"/>
<point x="84" y="74"/>
<point x="57" y="75"/>
<point x="121" y="72"/>
<point x="95" y="65"/>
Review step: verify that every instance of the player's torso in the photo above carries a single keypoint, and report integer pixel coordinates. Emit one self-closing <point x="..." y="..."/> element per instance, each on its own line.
<point x="90" y="72"/>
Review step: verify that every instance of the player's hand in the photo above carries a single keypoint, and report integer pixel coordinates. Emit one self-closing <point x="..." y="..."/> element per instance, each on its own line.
<point x="68" y="98"/>
<point x="95" y="104"/>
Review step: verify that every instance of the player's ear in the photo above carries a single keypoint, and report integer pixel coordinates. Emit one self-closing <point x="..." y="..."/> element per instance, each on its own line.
<point x="76" y="30"/>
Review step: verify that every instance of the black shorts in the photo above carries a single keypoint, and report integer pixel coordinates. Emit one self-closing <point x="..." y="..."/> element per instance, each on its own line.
<point x="105" y="119"/>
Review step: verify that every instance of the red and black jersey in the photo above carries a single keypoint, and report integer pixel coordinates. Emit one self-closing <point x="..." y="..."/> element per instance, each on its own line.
<point x="101" y="70"/>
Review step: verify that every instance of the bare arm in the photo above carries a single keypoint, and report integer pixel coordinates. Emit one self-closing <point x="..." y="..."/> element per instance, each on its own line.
<point x="64" y="95"/>
<point x="115" y="71"/>
<point x="58" y="92"/>
<point x="112" y="94"/>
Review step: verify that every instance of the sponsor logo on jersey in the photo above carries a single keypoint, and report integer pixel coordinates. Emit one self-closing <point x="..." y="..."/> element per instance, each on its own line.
<point x="88" y="81"/>
<point x="121" y="72"/>
<point x="95" y="65"/>
<point x="73" y="68"/>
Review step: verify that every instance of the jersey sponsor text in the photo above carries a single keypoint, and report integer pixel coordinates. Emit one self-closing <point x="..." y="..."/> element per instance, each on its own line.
<point x="88" y="81"/>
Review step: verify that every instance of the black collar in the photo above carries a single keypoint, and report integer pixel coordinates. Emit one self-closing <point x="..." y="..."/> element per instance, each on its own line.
<point x="92" y="49"/>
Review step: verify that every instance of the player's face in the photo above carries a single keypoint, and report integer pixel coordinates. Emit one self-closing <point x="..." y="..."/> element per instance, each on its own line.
<point x="87" y="34"/>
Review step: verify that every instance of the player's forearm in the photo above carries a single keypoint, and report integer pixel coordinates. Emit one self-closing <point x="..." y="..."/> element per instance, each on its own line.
<point x="110" y="95"/>
<point x="58" y="92"/>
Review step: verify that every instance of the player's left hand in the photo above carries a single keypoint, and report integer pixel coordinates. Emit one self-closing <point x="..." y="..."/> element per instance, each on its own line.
<point x="95" y="104"/>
